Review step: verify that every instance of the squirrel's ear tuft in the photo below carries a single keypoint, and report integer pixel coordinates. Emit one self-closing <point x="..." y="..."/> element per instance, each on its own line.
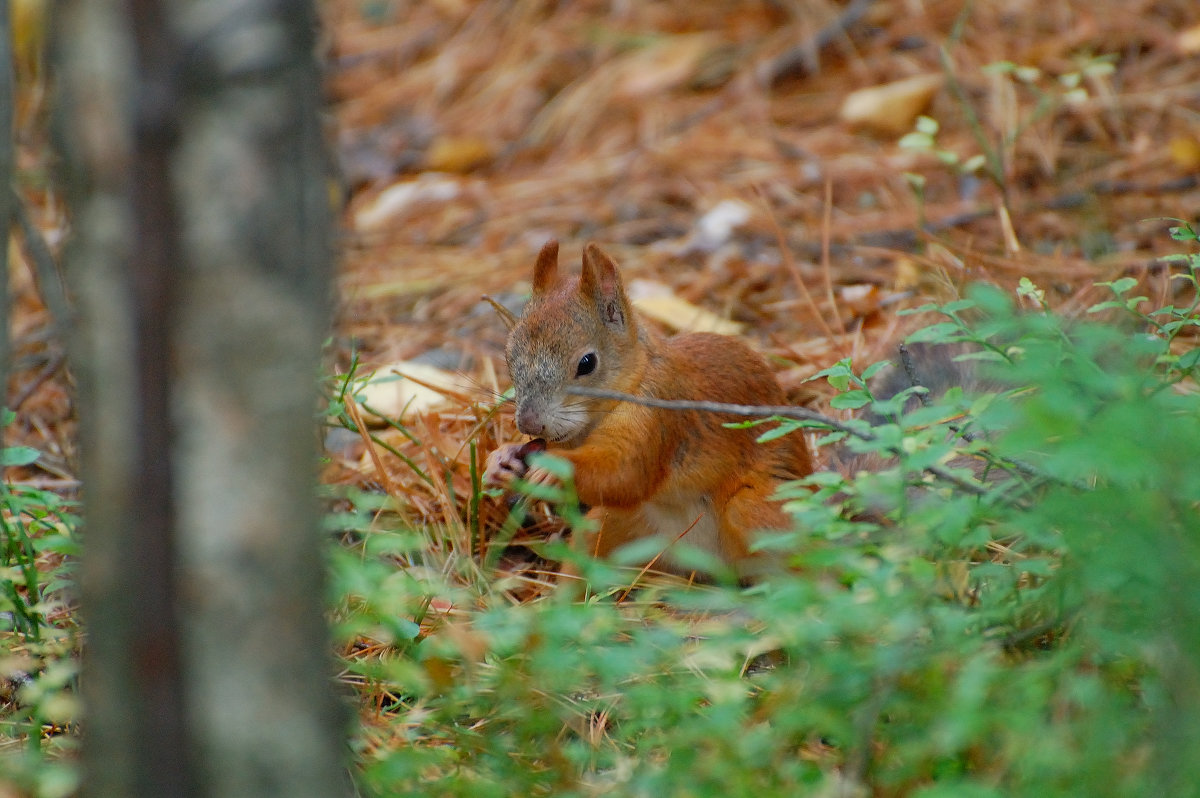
<point x="545" y="271"/>
<point x="601" y="283"/>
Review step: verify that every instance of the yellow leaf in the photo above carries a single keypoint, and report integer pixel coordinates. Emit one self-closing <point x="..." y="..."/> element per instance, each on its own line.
<point x="459" y="154"/>
<point x="909" y="274"/>
<point x="893" y="107"/>
<point x="1188" y="40"/>
<point x="656" y="301"/>
<point x="1185" y="152"/>
<point x="404" y="389"/>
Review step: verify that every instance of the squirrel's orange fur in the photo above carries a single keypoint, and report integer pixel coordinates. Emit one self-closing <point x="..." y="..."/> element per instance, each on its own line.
<point x="644" y="471"/>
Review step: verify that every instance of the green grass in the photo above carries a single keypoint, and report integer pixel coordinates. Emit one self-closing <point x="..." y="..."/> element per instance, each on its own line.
<point x="38" y="637"/>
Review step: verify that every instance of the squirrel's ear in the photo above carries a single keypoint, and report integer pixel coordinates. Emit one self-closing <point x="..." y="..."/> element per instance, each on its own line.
<point x="601" y="282"/>
<point x="545" y="271"/>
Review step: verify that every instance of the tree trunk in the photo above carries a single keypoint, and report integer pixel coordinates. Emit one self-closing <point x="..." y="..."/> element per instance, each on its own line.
<point x="200" y="266"/>
<point x="7" y="174"/>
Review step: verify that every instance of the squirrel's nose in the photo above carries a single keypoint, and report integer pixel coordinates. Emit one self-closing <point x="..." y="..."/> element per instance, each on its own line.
<point x="528" y="422"/>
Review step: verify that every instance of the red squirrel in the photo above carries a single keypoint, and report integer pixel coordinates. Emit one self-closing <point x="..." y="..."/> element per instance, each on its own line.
<point x="644" y="472"/>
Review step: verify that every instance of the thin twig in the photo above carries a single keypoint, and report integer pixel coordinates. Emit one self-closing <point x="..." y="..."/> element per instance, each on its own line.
<point x="790" y="264"/>
<point x="910" y="371"/>
<point x="992" y="154"/>
<point x="907" y="237"/>
<point x="705" y="406"/>
<point x="826" y="263"/>
<point x="352" y="411"/>
<point x="646" y="568"/>
<point x="46" y="269"/>
<point x="802" y="59"/>
<point x="53" y="364"/>
<point x="794" y="62"/>
<point x="769" y="411"/>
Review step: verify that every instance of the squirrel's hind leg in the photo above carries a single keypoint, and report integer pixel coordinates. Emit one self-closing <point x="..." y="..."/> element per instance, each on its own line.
<point x="611" y="529"/>
<point x="748" y="511"/>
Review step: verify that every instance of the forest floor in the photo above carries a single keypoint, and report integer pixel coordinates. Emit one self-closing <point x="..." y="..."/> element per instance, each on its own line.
<point x="805" y="170"/>
<point x="728" y="154"/>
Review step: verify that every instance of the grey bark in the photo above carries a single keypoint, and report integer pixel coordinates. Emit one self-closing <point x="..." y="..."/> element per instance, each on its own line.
<point x="200" y="262"/>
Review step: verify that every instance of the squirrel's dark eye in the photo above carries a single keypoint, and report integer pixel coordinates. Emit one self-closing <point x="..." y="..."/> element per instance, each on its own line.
<point x="587" y="364"/>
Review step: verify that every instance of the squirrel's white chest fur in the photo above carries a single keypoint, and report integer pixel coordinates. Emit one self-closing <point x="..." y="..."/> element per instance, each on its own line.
<point x="669" y="517"/>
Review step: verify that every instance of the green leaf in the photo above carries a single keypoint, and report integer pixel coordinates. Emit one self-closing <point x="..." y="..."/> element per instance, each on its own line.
<point x="850" y="400"/>
<point x="1188" y="360"/>
<point x="928" y="307"/>
<point x="957" y="306"/>
<point x="1184" y="232"/>
<point x="986" y="355"/>
<point x="839" y="375"/>
<point x="873" y="369"/>
<point x="999" y="68"/>
<point x="1027" y="288"/>
<point x="916" y="141"/>
<point x="786" y="426"/>
<point x="942" y="332"/>
<point x="832" y="437"/>
<point x="1133" y="302"/>
<point x="18" y="455"/>
<point x="558" y="466"/>
<point x="1119" y="287"/>
<point x="974" y="163"/>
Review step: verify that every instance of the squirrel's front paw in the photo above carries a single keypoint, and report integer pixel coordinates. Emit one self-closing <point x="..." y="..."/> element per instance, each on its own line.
<point x="504" y="465"/>
<point x="540" y="476"/>
<point x="508" y="462"/>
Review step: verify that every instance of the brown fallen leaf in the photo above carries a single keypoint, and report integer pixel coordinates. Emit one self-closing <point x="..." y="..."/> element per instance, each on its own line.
<point x="661" y="66"/>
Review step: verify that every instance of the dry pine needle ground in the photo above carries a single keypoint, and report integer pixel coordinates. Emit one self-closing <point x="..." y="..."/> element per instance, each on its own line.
<point x="468" y="133"/>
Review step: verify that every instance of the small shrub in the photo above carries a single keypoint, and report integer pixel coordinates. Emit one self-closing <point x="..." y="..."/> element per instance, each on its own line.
<point x="1006" y="607"/>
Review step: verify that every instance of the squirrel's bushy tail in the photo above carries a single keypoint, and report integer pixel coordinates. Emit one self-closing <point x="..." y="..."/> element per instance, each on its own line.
<point x="933" y="367"/>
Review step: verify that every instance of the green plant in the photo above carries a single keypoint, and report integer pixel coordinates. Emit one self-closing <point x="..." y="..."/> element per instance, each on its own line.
<point x="1069" y="88"/>
<point x="1024" y="627"/>
<point x="38" y="549"/>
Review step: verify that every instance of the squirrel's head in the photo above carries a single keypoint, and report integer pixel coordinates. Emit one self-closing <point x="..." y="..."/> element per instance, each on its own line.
<point x="576" y="331"/>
